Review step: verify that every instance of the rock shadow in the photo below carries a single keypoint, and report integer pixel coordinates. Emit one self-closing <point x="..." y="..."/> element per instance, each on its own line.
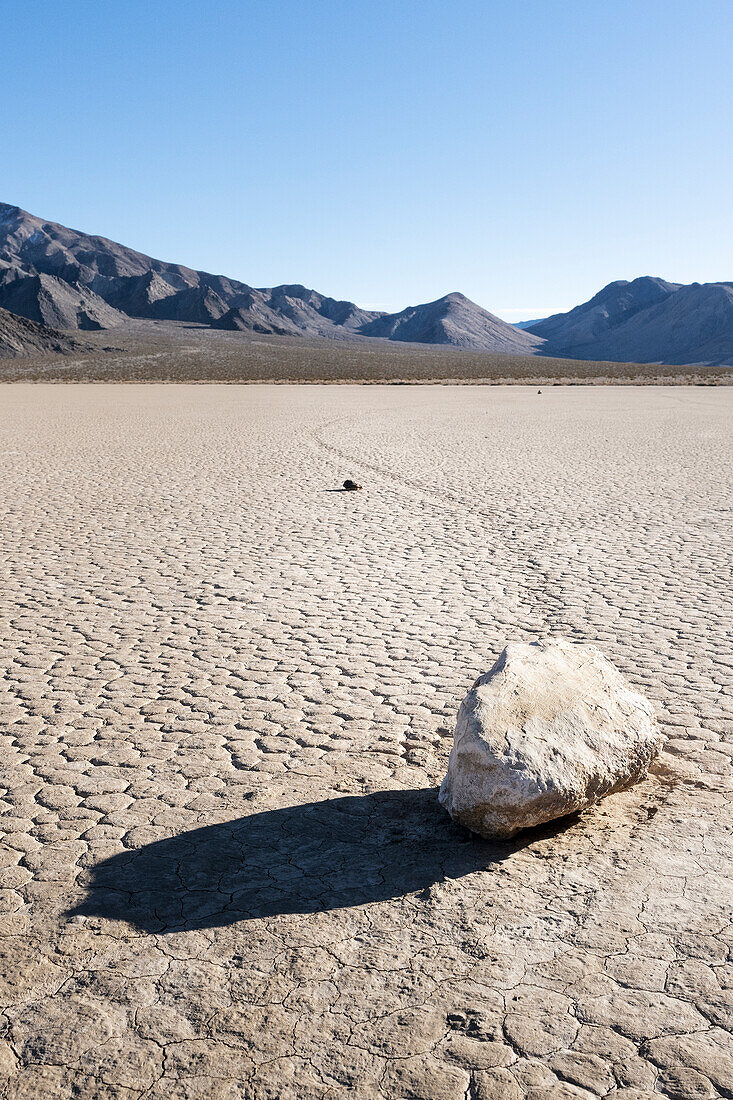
<point x="301" y="859"/>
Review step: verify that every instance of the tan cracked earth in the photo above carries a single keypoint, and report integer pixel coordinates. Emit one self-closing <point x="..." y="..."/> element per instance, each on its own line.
<point x="227" y="700"/>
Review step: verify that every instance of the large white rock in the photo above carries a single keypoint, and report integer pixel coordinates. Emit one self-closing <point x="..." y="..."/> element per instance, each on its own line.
<point x="549" y="730"/>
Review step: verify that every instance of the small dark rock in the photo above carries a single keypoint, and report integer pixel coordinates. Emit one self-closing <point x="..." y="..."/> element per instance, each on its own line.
<point x="351" y="485"/>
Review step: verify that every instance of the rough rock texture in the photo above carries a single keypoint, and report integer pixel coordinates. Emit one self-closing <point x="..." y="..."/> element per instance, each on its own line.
<point x="227" y="701"/>
<point x="549" y="730"/>
<point x="137" y="295"/>
<point x="34" y="245"/>
<point x="254" y="316"/>
<point x="19" y="336"/>
<point x="196" y="303"/>
<point x="51" y="301"/>
<point x="307" y="310"/>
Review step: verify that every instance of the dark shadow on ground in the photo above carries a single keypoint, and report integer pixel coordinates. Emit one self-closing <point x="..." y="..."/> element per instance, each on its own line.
<point x="301" y="859"/>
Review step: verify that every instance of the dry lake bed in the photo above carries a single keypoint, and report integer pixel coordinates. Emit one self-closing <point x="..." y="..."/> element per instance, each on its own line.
<point x="228" y="698"/>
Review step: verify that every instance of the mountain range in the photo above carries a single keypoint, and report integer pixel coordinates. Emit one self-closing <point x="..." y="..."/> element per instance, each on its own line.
<point x="60" y="278"/>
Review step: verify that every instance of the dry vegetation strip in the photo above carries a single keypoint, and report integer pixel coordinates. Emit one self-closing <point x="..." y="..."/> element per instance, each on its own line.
<point x="145" y="352"/>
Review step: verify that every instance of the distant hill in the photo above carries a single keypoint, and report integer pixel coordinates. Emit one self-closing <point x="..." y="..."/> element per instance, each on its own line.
<point x="19" y="336"/>
<point x="65" y="279"/>
<point x="608" y="309"/>
<point x="254" y="313"/>
<point x="647" y="321"/>
<point x="692" y="325"/>
<point x="454" y="320"/>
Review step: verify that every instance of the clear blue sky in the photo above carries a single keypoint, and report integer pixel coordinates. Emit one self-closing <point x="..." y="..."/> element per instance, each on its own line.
<point x="525" y="152"/>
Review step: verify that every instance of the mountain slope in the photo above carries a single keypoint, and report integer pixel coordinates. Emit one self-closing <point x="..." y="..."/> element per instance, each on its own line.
<point x="49" y="300"/>
<point x="610" y="307"/>
<point x="34" y="245"/>
<point x="19" y="336"/>
<point x="692" y="325"/>
<point x="142" y="286"/>
<point x="195" y="303"/>
<point x="137" y="295"/>
<point x="307" y="309"/>
<point x="253" y="314"/>
<point x="457" y="321"/>
<point x="296" y="311"/>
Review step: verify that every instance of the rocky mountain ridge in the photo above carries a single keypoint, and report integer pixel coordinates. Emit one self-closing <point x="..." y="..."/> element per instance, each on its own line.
<point x="66" y="279"/>
<point x="136" y="285"/>
<point x="647" y="321"/>
<point x="19" y="336"/>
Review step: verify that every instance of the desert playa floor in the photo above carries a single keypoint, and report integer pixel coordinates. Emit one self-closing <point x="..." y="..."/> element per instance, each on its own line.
<point x="227" y="700"/>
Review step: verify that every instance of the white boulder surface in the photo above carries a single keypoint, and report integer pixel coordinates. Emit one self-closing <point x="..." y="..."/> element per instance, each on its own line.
<point x="549" y="730"/>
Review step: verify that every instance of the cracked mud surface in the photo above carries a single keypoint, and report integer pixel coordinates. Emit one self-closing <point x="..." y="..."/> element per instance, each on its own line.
<point x="227" y="702"/>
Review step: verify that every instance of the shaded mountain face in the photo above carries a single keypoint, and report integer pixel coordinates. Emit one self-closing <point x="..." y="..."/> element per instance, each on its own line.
<point x="9" y="273"/>
<point x="49" y="300"/>
<point x="253" y="312"/>
<point x="195" y="303"/>
<point x="693" y="325"/>
<point x="608" y="309"/>
<point x="137" y="295"/>
<point x="242" y="319"/>
<point x="646" y="321"/>
<point x="19" y="336"/>
<point x="454" y="320"/>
